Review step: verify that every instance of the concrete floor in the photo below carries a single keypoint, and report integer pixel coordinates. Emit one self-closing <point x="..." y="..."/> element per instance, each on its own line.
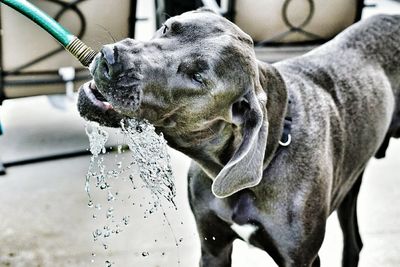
<point x="45" y="219"/>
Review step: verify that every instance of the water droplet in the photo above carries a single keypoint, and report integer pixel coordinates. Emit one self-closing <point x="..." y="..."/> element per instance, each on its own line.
<point x="145" y="254"/>
<point x="110" y="196"/>
<point x="103" y="186"/>
<point x="125" y="220"/>
<point x="96" y="234"/>
<point x="109" y="212"/>
<point x="90" y="204"/>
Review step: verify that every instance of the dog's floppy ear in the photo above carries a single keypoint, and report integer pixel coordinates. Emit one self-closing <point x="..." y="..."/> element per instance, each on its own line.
<point x="245" y="168"/>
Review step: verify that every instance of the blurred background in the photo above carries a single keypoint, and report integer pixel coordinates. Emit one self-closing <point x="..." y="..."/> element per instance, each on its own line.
<point x="45" y="217"/>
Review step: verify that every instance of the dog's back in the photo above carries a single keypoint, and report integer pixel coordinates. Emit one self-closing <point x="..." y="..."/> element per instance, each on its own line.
<point x="372" y="42"/>
<point x="353" y="84"/>
<point x="378" y="39"/>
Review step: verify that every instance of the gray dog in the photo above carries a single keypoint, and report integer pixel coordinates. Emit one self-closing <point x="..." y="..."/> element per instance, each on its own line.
<point x="275" y="148"/>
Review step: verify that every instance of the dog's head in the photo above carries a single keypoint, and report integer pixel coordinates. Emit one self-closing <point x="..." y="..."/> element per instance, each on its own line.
<point x="198" y="81"/>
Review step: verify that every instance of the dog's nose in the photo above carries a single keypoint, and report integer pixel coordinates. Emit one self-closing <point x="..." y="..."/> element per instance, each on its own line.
<point x="109" y="53"/>
<point x="109" y="61"/>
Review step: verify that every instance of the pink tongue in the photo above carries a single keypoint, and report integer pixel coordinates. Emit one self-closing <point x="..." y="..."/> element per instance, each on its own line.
<point x="90" y="93"/>
<point x="107" y="105"/>
<point x="92" y="85"/>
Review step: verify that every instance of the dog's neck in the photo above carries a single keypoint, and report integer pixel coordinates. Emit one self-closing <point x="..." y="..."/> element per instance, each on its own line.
<point x="213" y="154"/>
<point x="286" y="138"/>
<point x="278" y="109"/>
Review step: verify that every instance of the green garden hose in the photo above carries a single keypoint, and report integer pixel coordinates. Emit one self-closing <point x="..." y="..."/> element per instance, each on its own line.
<point x="70" y="42"/>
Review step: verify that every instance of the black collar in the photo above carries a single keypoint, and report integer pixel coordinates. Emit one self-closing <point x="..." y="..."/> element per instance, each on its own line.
<point x="286" y="138"/>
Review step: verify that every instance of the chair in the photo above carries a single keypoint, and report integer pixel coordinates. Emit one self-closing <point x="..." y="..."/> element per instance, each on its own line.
<point x="280" y="29"/>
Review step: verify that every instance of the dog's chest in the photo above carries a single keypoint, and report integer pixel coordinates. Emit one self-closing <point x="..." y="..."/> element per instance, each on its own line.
<point x="245" y="231"/>
<point x="240" y="212"/>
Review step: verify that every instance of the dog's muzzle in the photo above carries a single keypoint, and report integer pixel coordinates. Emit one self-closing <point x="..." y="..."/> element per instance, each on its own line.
<point x="112" y="94"/>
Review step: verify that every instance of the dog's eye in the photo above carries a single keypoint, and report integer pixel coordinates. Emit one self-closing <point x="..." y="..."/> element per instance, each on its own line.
<point x="165" y="29"/>
<point x="197" y="78"/>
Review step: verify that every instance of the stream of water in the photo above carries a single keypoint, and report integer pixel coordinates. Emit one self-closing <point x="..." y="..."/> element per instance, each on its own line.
<point x="149" y="168"/>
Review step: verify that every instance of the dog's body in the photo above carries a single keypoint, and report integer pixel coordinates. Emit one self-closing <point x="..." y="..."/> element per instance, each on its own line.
<point x="344" y="104"/>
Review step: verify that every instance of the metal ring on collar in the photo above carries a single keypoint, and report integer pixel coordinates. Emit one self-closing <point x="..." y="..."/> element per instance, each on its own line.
<point x="289" y="140"/>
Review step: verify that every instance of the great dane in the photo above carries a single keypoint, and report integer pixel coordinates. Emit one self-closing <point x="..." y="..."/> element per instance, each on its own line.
<point x="275" y="148"/>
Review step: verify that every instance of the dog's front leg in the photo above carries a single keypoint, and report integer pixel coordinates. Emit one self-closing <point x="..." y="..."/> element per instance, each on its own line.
<point x="216" y="235"/>
<point x="216" y="238"/>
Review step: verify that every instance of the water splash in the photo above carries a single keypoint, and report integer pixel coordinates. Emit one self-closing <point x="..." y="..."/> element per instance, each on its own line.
<point x="149" y="167"/>
<point x="151" y="156"/>
<point x="97" y="138"/>
<point x="97" y="141"/>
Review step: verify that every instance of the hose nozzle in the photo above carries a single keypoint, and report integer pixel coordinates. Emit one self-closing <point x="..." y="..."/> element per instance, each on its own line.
<point x="81" y="51"/>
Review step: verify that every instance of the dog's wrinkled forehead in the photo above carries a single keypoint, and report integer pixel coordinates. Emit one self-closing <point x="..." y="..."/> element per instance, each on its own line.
<point x="212" y="35"/>
<point x="204" y="24"/>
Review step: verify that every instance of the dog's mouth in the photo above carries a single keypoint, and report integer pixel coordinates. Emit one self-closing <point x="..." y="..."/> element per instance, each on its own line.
<point x="93" y="106"/>
<point x="96" y="97"/>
